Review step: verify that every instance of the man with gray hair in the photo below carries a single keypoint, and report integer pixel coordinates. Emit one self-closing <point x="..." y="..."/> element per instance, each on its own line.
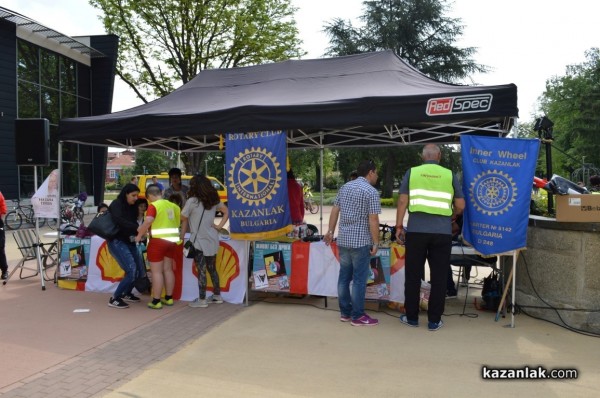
<point x="433" y="196"/>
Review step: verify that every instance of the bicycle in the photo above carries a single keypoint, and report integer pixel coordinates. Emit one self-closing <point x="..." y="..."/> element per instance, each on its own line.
<point x="71" y="210"/>
<point x="310" y="205"/>
<point x="14" y="218"/>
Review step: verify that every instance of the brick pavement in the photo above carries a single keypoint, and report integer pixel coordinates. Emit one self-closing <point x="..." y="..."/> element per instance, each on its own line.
<point x="101" y="369"/>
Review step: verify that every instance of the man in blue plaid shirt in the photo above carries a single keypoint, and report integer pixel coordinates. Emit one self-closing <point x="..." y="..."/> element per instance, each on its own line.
<point x="357" y="206"/>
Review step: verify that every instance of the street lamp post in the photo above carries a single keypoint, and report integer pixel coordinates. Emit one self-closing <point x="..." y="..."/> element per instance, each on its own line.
<point x="218" y="157"/>
<point x="205" y="166"/>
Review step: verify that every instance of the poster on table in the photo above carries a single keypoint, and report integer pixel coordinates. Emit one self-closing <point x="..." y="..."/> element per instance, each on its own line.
<point x="497" y="182"/>
<point x="313" y="268"/>
<point x="46" y="199"/>
<point x="74" y="258"/>
<point x="256" y="181"/>
<point x="104" y="272"/>
<point x="272" y="266"/>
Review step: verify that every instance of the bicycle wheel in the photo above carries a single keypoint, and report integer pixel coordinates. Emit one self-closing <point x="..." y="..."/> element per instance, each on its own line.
<point x="314" y="207"/>
<point x="41" y="222"/>
<point x="52" y="223"/>
<point x="13" y="220"/>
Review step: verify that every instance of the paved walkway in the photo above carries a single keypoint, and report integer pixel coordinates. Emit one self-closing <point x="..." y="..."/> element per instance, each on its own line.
<point x="100" y="369"/>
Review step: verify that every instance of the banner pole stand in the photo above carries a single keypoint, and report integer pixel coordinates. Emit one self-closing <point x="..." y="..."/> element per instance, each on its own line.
<point x="247" y="284"/>
<point x="37" y="243"/>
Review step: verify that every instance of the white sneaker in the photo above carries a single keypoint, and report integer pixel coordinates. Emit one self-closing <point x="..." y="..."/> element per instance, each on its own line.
<point x="198" y="303"/>
<point x="215" y="299"/>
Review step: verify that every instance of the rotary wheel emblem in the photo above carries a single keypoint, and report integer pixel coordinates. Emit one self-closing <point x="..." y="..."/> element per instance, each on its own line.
<point x="493" y="192"/>
<point x="255" y="176"/>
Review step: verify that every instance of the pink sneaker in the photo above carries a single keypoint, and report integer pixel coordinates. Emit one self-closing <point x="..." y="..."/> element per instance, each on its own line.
<point x="344" y="318"/>
<point x="364" y="320"/>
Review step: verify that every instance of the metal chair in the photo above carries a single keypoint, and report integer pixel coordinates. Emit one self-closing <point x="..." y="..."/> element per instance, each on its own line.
<point x="27" y="242"/>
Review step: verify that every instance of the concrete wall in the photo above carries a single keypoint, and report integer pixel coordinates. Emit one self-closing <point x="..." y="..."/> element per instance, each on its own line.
<point x="560" y="269"/>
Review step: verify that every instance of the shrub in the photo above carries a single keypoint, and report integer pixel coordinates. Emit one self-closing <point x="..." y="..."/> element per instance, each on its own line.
<point x="387" y="202"/>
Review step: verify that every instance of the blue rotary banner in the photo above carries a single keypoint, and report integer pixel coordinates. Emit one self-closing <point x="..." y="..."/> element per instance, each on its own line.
<point x="497" y="182"/>
<point x="257" y="185"/>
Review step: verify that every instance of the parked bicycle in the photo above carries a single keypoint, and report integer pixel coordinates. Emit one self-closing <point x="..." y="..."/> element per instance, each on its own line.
<point x="310" y="205"/>
<point x="14" y="218"/>
<point x="71" y="211"/>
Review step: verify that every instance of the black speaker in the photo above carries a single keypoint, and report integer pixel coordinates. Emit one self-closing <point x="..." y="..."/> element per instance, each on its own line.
<point x="32" y="138"/>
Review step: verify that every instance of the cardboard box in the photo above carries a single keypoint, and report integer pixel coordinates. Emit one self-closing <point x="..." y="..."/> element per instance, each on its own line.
<point x="578" y="208"/>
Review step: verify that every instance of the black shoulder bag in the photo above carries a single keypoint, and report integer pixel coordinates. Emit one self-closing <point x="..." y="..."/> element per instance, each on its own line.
<point x="104" y="225"/>
<point x="189" y="250"/>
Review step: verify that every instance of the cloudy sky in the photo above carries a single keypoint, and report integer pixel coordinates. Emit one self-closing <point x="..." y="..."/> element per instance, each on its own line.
<point x="525" y="42"/>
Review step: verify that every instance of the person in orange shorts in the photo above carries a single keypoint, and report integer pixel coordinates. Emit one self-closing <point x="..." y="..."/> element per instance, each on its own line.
<point x="162" y="223"/>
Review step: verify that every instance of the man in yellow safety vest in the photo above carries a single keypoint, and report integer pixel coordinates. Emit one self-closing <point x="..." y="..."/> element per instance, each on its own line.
<point x="433" y="196"/>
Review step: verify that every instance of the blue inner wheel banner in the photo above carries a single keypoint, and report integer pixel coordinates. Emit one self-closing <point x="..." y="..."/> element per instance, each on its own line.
<point x="497" y="183"/>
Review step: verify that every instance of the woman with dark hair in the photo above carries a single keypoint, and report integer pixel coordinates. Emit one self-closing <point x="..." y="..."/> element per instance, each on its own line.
<point x="198" y="215"/>
<point x="123" y="247"/>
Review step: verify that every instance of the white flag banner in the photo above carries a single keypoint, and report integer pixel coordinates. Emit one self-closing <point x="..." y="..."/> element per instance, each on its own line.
<point x="46" y="199"/>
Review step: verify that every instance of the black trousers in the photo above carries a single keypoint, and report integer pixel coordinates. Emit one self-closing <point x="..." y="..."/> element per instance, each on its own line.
<point x="436" y="249"/>
<point x="3" y="263"/>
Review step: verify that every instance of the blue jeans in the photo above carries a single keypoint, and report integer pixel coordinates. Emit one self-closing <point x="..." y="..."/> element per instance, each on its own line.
<point x="354" y="266"/>
<point x="130" y="261"/>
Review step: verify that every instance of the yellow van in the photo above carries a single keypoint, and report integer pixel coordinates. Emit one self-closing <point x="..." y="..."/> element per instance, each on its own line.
<point x="163" y="178"/>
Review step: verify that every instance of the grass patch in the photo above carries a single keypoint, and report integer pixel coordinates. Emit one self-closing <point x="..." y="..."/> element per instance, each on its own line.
<point x="110" y="195"/>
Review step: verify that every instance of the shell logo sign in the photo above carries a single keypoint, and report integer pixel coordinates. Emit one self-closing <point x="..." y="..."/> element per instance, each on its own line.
<point x="398" y="254"/>
<point x="228" y="267"/>
<point x="109" y="268"/>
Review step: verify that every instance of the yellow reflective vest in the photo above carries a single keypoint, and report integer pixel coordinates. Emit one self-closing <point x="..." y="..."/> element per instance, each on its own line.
<point x="430" y="190"/>
<point x="166" y="223"/>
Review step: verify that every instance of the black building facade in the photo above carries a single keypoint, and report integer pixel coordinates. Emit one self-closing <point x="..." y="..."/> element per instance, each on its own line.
<point x="45" y="74"/>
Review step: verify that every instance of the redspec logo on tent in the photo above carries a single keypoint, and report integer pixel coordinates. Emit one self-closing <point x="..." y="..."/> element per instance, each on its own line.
<point x="459" y="104"/>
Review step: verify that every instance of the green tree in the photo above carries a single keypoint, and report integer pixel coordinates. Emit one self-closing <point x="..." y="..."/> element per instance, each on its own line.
<point x="418" y="32"/>
<point x="151" y="162"/>
<point x="165" y="43"/>
<point x="306" y="165"/>
<point x="572" y="102"/>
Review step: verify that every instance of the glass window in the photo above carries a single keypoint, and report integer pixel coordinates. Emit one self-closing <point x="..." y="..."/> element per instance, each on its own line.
<point x="50" y="105"/>
<point x="86" y="179"/>
<point x="28" y="100"/>
<point x="68" y="82"/>
<point x="49" y="68"/>
<point x="112" y="173"/>
<point x="70" y="179"/>
<point x="68" y="105"/>
<point x="70" y="152"/>
<point x="28" y="62"/>
<point x="26" y="188"/>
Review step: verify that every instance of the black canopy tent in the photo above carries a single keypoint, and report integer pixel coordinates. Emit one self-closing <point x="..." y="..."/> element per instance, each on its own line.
<point x="371" y="99"/>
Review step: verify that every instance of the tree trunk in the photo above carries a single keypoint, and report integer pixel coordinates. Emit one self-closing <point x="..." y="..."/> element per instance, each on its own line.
<point x="388" y="177"/>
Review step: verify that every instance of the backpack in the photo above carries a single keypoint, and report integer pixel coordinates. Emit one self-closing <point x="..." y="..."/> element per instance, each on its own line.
<point x="491" y="292"/>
